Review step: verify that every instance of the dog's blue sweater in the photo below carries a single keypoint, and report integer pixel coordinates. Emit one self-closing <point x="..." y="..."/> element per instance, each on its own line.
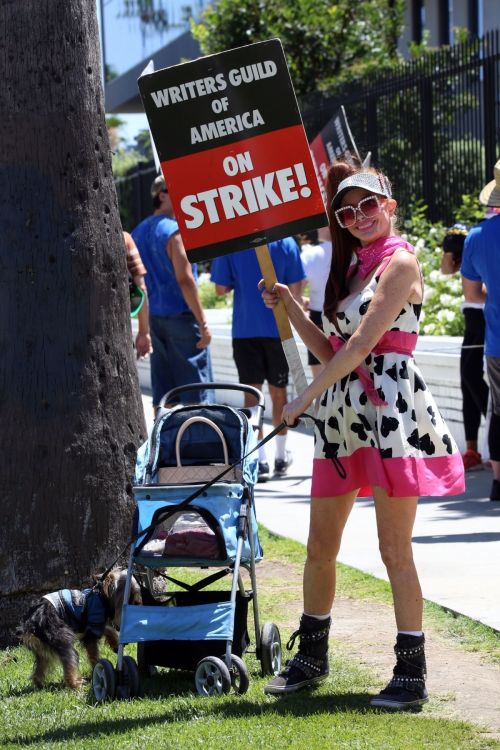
<point x="81" y="610"/>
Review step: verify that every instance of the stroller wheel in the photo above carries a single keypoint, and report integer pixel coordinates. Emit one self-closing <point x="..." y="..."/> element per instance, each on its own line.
<point x="270" y="649"/>
<point x="128" y="685"/>
<point x="212" y="677"/>
<point x="239" y="675"/>
<point x="103" y="681"/>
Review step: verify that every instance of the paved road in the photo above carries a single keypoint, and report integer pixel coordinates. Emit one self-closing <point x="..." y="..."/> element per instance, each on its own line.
<point x="456" y="540"/>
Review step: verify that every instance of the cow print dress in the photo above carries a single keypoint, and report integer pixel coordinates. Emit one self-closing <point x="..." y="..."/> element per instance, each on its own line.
<point x="380" y="424"/>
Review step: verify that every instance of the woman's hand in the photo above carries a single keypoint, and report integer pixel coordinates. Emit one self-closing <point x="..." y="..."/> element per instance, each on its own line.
<point x="273" y="296"/>
<point x="292" y="411"/>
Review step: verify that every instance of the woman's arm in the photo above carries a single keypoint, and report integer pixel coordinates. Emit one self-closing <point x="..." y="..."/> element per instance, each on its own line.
<point x="399" y="284"/>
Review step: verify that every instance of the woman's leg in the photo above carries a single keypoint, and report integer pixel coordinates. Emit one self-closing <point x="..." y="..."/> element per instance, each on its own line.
<point x="395" y="519"/>
<point x="328" y="516"/>
<point x="309" y="666"/>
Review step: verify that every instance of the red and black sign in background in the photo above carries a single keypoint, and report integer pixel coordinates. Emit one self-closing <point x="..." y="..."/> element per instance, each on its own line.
<point x="233" y="150"/>
<point x="334" y="142"/>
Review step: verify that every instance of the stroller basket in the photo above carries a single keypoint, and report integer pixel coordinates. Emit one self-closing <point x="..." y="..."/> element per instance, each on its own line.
<point x="218" y="507"/>
<point x="188" y="627"/>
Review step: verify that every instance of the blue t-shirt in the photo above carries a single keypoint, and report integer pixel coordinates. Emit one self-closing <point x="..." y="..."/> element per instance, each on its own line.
<point x="241" y="271"/>
<point x="481" y="262"/>
<point x="151" y="237"/>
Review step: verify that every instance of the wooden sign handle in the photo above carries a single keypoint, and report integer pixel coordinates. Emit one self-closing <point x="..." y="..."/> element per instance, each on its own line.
<point x="284" y="328"/>
<point x="269" y="276"/>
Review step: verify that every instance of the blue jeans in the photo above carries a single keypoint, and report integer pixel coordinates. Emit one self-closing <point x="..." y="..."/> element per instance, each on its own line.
<point x="175" y="359"/>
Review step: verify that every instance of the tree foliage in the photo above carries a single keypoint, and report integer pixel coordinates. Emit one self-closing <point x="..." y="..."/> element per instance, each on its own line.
<point x="441" y="314"/>
<point x="320" y="38"/>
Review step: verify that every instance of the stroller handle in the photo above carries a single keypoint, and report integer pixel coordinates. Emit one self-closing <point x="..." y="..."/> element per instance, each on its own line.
<point x="213" y="387"/>
<point x="254" y="413"/>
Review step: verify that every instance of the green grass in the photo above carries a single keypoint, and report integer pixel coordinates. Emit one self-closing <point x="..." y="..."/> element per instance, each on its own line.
<point x="170" y="715"/>
<point x="467" y="633"/>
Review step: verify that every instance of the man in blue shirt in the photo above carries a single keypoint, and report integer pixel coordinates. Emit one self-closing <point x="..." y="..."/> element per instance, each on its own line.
<point x="257" y="349"/>
<point x="179" y="330"/>
<point x="481" y="268"/>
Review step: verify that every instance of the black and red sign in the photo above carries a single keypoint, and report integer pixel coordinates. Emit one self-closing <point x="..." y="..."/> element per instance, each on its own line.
<point x="334" y="142"/>
<point x="233" y="150"/>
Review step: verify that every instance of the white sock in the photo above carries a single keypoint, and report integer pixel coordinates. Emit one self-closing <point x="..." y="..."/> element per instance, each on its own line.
<point x="281" y="447"/>
<point x="418" y="633"/>
<point x="262" y="454"/>
<point x="318" y="617"/>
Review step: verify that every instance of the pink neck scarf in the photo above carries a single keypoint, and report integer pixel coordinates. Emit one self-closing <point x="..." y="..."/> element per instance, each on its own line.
<point x="370" y="256"/>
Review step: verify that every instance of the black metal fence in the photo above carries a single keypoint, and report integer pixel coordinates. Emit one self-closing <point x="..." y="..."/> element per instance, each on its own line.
<point x="134" y="197"/>
<point x="433" y="125"/>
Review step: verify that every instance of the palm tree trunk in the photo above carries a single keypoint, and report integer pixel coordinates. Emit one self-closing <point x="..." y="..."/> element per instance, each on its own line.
<point x="71" y="415"/>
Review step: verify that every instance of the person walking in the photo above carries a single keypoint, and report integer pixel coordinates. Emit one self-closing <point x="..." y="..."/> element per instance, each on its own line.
<point x="257" y="349"/>
<point x="316" y="258"/>
<point x="472" y="383"/>
<point x="137" y="272"/>
<point x="480" y="271"/>
<point x="378" y="429"/>
<point x="179" y="329"/>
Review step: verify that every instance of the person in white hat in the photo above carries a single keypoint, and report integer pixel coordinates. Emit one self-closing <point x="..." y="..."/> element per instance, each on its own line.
<point x="481" y="268"/>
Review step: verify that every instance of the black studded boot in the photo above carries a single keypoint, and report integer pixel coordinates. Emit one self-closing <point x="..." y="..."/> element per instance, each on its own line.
<point x="309" y="666"/>
<point x="407" y="687"/>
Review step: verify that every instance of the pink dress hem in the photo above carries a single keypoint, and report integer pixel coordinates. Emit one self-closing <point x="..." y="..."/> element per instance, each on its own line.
<point x="405" y="476"/>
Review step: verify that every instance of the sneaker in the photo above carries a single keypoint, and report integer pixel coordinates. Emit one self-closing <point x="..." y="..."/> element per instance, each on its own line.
<point x="300" y="672"/>
<point x="495" y="490"/>
<point x="263" y="473"/>
<point x="402" y="692"/>
<point x="471" y="458"/>
<point x="281" y="465"/>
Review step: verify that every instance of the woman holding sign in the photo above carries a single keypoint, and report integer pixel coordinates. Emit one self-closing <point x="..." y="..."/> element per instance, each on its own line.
<point x="379" y="431"/>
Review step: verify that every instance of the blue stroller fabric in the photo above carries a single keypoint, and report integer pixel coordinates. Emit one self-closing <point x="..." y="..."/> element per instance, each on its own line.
<point x="221" y="501"/>
<point x="209" y="622"/>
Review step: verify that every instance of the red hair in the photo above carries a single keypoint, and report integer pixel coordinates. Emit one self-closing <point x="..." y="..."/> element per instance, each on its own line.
<point x="343" y="243"/>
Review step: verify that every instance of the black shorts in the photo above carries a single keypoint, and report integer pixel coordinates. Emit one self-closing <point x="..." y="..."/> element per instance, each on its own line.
<point x="260" y="359"/>
<point x="315" y="316"/>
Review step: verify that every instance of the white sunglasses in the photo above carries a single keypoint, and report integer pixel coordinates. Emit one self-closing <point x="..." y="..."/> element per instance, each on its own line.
<point x="368" y="208"/>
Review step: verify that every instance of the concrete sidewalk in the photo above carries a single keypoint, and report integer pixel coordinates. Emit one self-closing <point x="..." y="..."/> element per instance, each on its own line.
<point x="456" y="540"/>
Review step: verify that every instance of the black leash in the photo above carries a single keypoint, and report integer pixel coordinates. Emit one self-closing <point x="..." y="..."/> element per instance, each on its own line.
<point x="328" y="450"/>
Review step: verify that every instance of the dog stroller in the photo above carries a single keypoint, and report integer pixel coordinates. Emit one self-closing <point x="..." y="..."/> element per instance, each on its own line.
<point x="188" y="516"/>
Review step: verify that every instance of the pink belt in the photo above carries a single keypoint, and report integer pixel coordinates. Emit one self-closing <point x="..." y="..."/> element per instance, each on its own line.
<point x="399" y="342"/>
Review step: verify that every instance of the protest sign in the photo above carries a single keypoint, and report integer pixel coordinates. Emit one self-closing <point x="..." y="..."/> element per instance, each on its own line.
<point x="233" y="150"/>
<point x="335" y="141"/>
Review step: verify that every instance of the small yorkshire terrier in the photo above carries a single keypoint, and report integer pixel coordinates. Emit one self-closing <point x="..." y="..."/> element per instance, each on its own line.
<point x="51" y="627"/>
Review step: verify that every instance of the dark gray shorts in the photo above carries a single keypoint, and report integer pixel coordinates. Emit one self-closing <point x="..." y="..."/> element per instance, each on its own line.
<point x="259" y="359"/>
<point x="493" y="365"/>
